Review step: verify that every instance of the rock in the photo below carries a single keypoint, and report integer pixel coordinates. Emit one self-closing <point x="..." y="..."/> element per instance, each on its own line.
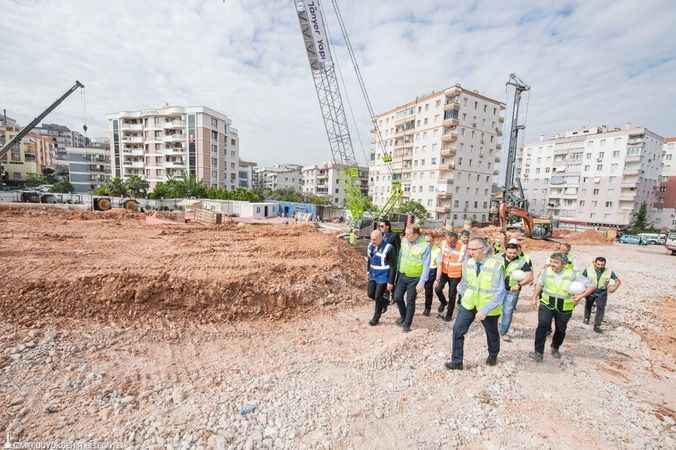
<point x="178" y="395"/>
<point x="248" y="408"/>
<point x="52" y="408"/>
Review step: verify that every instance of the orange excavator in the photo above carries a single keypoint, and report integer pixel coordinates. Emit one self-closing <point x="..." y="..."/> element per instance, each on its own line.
<point x="511" y="201"/>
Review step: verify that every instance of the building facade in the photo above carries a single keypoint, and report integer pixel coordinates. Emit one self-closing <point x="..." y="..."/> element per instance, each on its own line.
<point x="665" y="217"/>
<point x="20" y="161"/>
<point x="444" y="149"/>
<point x="328" y="180"/>
<point x="88" y="167"/>
<point x="246" y="174"/>
<point x="174" y="141"/>
<point x="595" y="176"/>
<point x="288" y="176"/>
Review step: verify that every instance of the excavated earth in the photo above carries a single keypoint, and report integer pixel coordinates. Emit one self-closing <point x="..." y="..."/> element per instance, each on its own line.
<point x="117" y="334"/>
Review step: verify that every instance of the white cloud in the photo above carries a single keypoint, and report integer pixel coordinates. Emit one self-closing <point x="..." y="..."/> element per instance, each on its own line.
<point x="592" y="62"/>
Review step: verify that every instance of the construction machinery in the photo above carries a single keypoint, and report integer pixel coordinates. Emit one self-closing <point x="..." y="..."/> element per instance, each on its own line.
<point x="511" y="200"/>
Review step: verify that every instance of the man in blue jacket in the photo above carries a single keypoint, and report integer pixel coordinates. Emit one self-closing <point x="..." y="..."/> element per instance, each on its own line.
<point x="382" y="268"/>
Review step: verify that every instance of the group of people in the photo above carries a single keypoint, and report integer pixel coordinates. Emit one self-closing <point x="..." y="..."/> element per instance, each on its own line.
<point x="484" y="281"/>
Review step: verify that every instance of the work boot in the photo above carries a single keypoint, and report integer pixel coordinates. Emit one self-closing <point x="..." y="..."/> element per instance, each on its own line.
<point x="586" y="320"/>
<point x="555" y="353"/>
<point x="399" y="321"/>
<point x="373" y="322"/>
<point x="441" y="308"/>
<point x="426" y="312"/>
<point x="597" y="329"/>
<point x="492" y="360"/>
<point x="447" y="318"/>
<point x="453" y="365"/>
<point x="535" y="356"/>
<point x="406" y="329"/>
<point x="384" y="308"/>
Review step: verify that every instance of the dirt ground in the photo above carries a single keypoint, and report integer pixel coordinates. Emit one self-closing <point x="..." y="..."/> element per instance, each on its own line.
<point x="184" y="336"/>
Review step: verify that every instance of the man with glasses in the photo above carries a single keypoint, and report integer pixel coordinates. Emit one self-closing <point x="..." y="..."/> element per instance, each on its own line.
<point x="393" y="239"/>
<point x="414" y="265"/>
<point x="482" y="288"/>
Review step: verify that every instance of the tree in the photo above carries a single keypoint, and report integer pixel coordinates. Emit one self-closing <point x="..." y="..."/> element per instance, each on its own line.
<point x="62" y="187"/>
<point x="640" y="223"/>
<point x="33" y="180"/>
<point x="102" y="190"/>
<point x="356" y="201"/>
<point x="136" y="186"/>
<point x="415" y="208"/>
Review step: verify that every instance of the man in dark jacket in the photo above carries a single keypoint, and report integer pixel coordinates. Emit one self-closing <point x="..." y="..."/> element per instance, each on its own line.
<point x="382" y="268"/>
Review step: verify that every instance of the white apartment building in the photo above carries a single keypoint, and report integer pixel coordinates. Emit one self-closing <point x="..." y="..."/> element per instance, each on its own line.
<point x="88" y="167"/>
<point x="175" y="141"/>
<point x="288" y="176"/>
<point x="445" y="150"/>
<point x="595" y="176"/>
<point x="665" y="216"/>
<point x="328" y="180"/>
<point x="246" y="174"/>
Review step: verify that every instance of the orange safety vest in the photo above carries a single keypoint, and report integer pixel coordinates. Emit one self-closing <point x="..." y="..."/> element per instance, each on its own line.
<point x="451" y="260"/>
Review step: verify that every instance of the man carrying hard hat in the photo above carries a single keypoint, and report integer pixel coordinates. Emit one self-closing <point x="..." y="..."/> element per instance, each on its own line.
<point x="604" y="281"/>
<point x="518" y="273"/>
<point x="558" y="290"/>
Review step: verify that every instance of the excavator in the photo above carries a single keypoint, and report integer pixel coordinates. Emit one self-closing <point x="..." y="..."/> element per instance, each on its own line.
<point x="511" y="201"/>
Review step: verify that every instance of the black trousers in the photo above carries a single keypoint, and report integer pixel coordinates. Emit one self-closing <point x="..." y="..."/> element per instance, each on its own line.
<point x="600" y="298"/>
<point x="545" y="316"/>
<point x="376" y="292"/>
<point x="452" y="293"/>
<point x="429" y="289"/>
<point x="461" y="326"/>
<point x="406" y="285"/>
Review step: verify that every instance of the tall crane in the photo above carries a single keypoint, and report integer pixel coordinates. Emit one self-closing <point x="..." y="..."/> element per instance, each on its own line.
<point x="513" y="201"/>
<point x="25" y="130"/>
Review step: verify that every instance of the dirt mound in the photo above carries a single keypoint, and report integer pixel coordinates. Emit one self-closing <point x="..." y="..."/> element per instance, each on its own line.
<point x="119" y="269"/>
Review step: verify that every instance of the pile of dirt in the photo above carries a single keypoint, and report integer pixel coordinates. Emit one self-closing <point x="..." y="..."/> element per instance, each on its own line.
<point x="119" y="269"/>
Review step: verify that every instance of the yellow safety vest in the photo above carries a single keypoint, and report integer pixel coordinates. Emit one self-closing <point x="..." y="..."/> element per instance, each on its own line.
<point x="558" y="289"/>
<point x="511" y="266"/>
<point x="436" y="252"/>
<point x="479" y="289"/>
<point x="602" y="281"/>
<point x="411" y="257"/>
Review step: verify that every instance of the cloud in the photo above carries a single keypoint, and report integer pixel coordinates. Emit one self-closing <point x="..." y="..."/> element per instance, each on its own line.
<point x="592" y="62"/>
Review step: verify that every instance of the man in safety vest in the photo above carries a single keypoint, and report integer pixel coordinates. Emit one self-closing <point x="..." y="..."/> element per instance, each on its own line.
<point x="482" y="288"/>
<point x="450" y="271"/>
<point x="382" y="267"/>
<point x="513" y="261"/>
<point x="499" y="244"/>
<point x="556" y="302"/>
<point x="599" y="277"/>
<point x="435" y="257"/>
<point x="414" y="264"/>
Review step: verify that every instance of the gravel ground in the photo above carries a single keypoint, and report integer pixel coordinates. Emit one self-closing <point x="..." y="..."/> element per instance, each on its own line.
<point x="331" y="381"/>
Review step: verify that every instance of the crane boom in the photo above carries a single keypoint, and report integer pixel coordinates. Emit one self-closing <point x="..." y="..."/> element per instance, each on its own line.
<point x="25" y="130"/>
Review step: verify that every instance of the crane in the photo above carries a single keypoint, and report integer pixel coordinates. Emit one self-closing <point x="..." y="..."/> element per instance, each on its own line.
<point x="513" y="201"/>
<point x="25" y="130"/>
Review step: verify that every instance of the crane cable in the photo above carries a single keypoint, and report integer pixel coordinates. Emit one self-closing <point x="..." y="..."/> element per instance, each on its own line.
<point x="84" y="112"/>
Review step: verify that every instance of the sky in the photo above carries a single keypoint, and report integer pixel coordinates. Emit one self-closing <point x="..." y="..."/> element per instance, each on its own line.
<point x="592" y="62"/>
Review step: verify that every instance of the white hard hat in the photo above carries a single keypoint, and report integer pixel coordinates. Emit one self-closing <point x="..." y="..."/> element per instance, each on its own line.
<point x="518" y="275"/>
<point x="576" y="288"/>
<point x="611" y="282"/>
<point x="513" y="241"/>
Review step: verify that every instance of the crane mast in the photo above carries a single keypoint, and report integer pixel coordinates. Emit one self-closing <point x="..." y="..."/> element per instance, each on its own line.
<point x="25" y="130"/>
<point x="510" y="179"/>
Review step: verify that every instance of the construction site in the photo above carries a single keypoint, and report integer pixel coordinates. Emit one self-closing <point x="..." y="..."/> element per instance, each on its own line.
<point x="238" y="320"/>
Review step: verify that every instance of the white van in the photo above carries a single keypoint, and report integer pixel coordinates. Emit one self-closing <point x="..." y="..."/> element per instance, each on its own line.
<point x="671" y="242"/>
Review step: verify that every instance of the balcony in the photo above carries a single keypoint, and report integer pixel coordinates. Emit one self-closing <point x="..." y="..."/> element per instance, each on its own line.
<point x="442" y="209"/>
<point x="448" y="151"/>
<point x="175" y="150"/>
<point x="449" y="137"/>
<point x="450" y="122"/>
<point x="453" y="91"/>
<point x="133" y="139"/>
<point x="174" y="124"/>
<point x="175" y="163"/>
<point x="451" y="105"/>
<point x="174" y="137"/>
<point x="501" y="119"/>
<point x="445" y="167"/>
<point x="628" y="196"/>
<point x="633" y="158"/>
<point x="133" y="151"/>
<point x="134" y="164"/>
<point x="132" y="126"/>
<point x="444" y="195"/>
<point x="628" y="171"/>
<point x="498" y="146"/>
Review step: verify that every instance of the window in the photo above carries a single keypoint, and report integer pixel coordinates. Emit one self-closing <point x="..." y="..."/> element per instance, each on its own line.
<point x="616" y="154"/>
<point x="581" y="203"/>
<point x="596" y="191"/>
<point x="595" y="204"/>
<point x="609" y="204"/>
<point x="456" y="203"/>
<point x="599" y="167"/>
<point x="589" y="155"/>
<point x="601" y="155"/>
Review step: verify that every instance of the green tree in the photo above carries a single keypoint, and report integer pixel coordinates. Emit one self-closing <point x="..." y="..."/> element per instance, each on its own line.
<point x="415" y="208"/>
<point x="136" y="186"/>
<point x="102" y="190"/>
<point x="640" y="223"/>
<point x="356" y="201"/>
<point x="62" y="187"/>
<point x="33" y="180"/>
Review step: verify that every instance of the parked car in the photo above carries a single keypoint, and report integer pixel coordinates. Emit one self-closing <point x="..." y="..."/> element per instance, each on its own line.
<point x="671" y="242"/>
<point x="631" y="239"/>
<point x="650" y="238"/>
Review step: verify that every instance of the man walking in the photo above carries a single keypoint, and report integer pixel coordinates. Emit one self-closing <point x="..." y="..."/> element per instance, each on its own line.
<point x="556" y="302"/>
<point x="414" y="265"/>
<point x="382" y="266"/>
<point x="435" y="253"/>
<point x="513" y="261"/>
<point x="599" y="276"/>
<point x="482" y="289"/>
<point x="450" y="271"/>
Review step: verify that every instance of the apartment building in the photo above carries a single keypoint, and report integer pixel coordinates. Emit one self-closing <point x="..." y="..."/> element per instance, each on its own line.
<point x="328" y="180"/>
<point x="596" y="176"/>
<point x="88" y="167"/>
<point x="288" y="176"/>
<point x="21" y="160"/>
<point x="444" y="149"/>
<point x="665" y="216"/>
<point x="175" y="141"/>
<point x="246" y="174"/>
<point x="64" y="137"/>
